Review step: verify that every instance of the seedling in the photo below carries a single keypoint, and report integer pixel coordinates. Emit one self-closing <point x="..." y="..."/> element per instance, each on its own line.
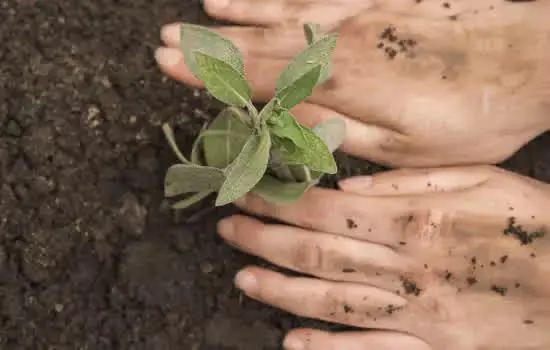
<point x="244" y="150"/>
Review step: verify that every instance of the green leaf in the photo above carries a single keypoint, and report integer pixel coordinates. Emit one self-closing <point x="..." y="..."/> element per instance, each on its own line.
<point x="316" y="54"/>
<point x="285" y="126"/>
<point x="185" y="178"/>
<point x="311" y="31"/>
<point x="247" y="169"/>
<point x="199" y="38"/>
<point x="220" y="150"/>
<point x="278" y="192"/>
<point x="300" y="89"/>
<point x="169" y="134"/>
<point x="332" y="132"/>
<point x="316" y="155"/>
<point x="189" y="201"/>
<point x="223" y="81"/>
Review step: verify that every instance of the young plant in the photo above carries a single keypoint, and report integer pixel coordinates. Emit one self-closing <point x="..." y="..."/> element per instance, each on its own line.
<point x="244" y="150"/>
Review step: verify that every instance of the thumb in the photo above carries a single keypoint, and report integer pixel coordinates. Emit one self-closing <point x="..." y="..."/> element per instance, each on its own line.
<point x="416" y="181"/>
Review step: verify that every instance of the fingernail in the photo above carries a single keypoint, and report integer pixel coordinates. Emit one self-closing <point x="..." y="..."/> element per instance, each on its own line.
<point x="167" y="56"/>
<point x="356" y="183"/>
<point x="216" y="5"/>
<point x="247" y="282"/>
<point x="292" y="343"/>
<point x="226" y="228"/>
<point x="170" y="33"/>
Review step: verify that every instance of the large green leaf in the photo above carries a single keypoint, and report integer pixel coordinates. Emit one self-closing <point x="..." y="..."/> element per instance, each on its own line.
<point x="316" y="156"/>
<point x="278" y="192"/>
<point x="315" y="54"/>
<point x="300" y="89"/>
<point x="284" y="126"/>
<point x="199" y="38"/>
<point x="220" y="150"/>
<point x="332" y="132"/>
<point x="247" y="169"/>
<point x="185" y="178"/>
<point x="223" y="81"/>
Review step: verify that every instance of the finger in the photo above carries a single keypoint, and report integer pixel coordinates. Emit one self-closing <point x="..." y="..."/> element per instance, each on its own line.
<point x="338" y="212"/>
<point x="311" y="339"/>
<point x="345" y="303"/>
<point x="431" y="9"/>
<point x="364" y="140"/>
<point x="280" y="12"/>
<point x="320" y="254"/>
<point x="252" y="41"/>
<point x="415" y="182"/>
<point x="265" y="12"/>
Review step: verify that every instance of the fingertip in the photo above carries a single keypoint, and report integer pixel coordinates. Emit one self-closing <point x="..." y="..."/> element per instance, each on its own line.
<point x="356" y="184"/>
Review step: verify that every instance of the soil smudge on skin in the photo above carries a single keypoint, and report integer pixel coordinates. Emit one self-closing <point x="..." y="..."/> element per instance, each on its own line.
<point x="517" y="231"/>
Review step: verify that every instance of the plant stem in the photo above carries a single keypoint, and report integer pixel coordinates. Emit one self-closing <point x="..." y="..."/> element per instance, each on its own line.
<point x="255" y="115"/>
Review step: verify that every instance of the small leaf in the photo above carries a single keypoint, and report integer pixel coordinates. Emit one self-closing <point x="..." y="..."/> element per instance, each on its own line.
<point x="189" y="201"/>
<point x="316" y="54"/>
<point x="300" y="89"/>
<point x="285" y="126"/>
<point x="169" y="134"/>
<point x="278" y="192"/>
<point x="223" y="81"/>
<point x="199" y="38"/>
<point x="247" y="169"/>
<point x="332" y="132"/>
<point x="220" y="150"/>
<point x="316" y="155"/>
<point x="196" y="149"/>
<point x="268" y="111"/>
<point x="311" y="31"/>
<point x="185" y="178"/>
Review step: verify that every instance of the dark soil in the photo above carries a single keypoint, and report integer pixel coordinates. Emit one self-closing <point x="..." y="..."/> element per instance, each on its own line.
<point x="88" y="257"/>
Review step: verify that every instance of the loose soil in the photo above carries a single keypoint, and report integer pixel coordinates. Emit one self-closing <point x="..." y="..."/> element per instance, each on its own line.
<point x="89" y="258"/>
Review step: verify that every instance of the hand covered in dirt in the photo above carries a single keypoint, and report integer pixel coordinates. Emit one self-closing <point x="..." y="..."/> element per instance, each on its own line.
<point x="454" y="259"/>
<point x="420" y="83"/>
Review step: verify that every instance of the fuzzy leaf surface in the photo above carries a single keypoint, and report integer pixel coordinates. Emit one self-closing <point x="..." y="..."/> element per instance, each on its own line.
<point x="200" y="38"/>
<point x="318" y="53"/>
<point x="223" y="81"/>
<point x="278" y="192"/>
<point x="332" y="132"/>
<point x="185" y="178"/>
<point x="247" y="169"/>
<point x="220" y="150"/>
<point x="300" y="89"/>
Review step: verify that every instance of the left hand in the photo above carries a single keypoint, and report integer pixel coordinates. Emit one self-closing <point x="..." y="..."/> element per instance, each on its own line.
<point x="419" y="257"/>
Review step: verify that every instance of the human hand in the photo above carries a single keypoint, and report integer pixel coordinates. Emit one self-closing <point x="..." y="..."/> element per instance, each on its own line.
<point x="469" y="87"/>
<point x="419" y="257"/>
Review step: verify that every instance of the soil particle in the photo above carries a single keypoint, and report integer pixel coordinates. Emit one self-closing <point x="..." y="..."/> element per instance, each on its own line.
<point x="348" y="270"/>
<point x="351" y="224"/>
<point x="503" y="259"/>
<point x="347" y="309"/>
<point x="471" y="281"/>
<point x="411" y="287"/>
<point x="529" y="322"/>
<point x="517" y="231"/>
<point x="499" y="290"/>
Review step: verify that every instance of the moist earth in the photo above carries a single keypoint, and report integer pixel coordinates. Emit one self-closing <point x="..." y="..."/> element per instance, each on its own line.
<point x="90" y="258"/>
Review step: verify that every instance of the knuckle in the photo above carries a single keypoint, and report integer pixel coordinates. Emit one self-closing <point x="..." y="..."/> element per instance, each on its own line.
<point x="426" y="227"/>
<point x="307" y="255"/>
